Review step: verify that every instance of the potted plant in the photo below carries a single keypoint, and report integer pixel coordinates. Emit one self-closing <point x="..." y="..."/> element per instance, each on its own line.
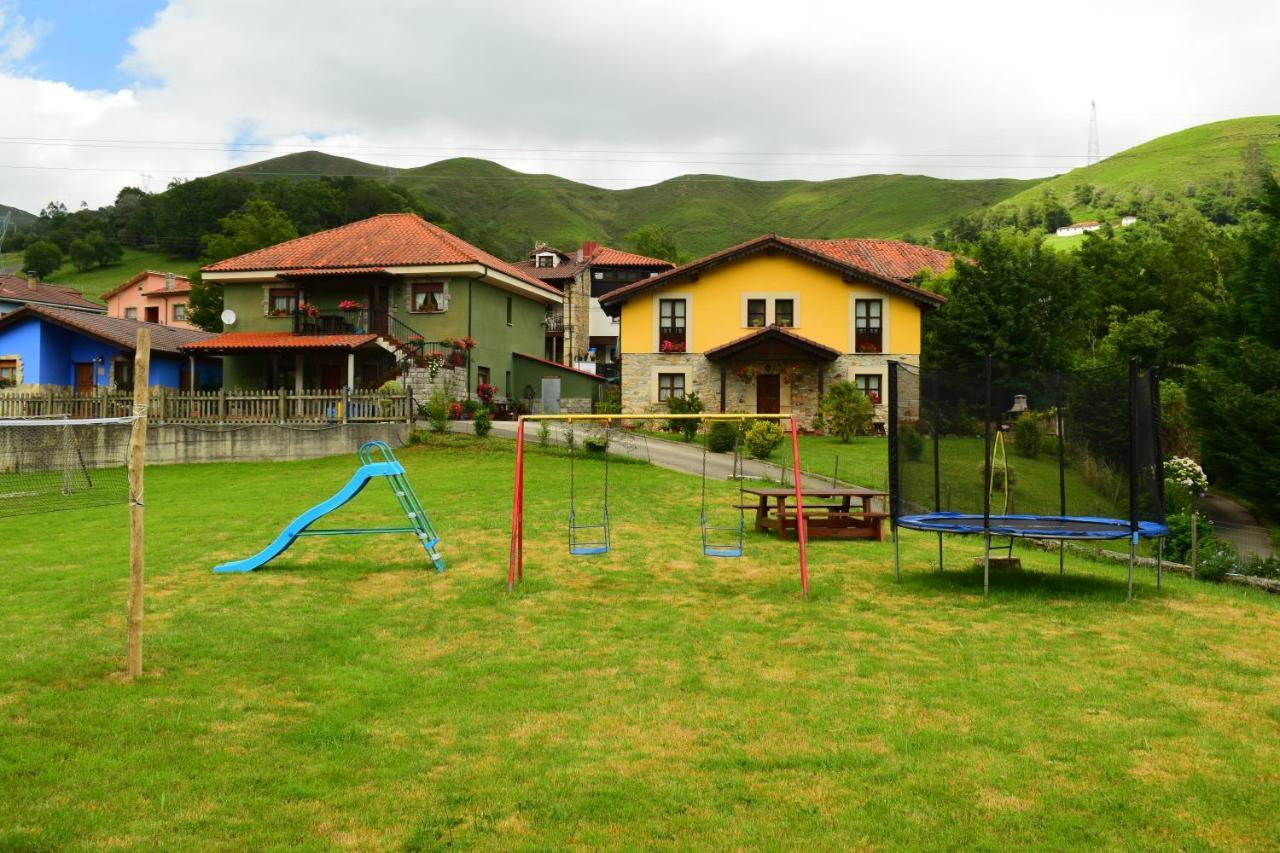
<point x="350" y="305"/>
<point x="308" y="309"/>
<point x="486" y="392"/>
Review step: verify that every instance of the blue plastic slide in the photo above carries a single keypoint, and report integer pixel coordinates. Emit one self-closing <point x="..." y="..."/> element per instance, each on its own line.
<point x="388" y="467"/>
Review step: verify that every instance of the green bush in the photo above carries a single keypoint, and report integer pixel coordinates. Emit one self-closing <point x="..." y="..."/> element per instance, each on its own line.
<point x="686" y="404"/>
<point x="610" y="403"/>
<point x="763" y="438"/>
<point x="544" y="434"/>
<point x="483" y="423"/>
<point x="471" y="407"/>
<point x="1177" y="546"/>
<point x="1027" y="438"/>
<point x="911" y="441"/>
<point x="722" y="437"/>
<point x="596" y="442"/>
<point x="1263" y="567"/>
<point x="436" y="411"/>
<point x="846" y="411"/>
<point x="1217" y="560"/>
<point x="997" y="476"/>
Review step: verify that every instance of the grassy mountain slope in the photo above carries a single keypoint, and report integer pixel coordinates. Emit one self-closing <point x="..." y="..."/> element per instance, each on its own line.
<point x="507" y="211"/>
<point x="1203" y="154"/>
<point x="19" y="218"/>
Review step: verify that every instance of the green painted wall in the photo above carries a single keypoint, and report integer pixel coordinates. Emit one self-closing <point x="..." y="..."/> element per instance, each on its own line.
<point x="475" y="308"/>
<point x="572" y="383"/>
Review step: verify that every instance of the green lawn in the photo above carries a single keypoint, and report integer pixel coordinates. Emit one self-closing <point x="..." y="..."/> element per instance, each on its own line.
<point x="347" y="696"/>
<point x="93" y="283"/>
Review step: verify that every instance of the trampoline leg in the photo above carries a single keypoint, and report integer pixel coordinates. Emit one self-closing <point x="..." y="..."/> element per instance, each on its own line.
<point x="1159" y="560"/>
<point x="1062" y="556"/>
<point x="986" y="564"/>
<point x="939" y="552"/>
<point x="897" y="559"/>
<point x="1133" y="555"/>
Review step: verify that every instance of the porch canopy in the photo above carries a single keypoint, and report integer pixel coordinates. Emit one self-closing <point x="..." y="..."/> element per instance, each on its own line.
<point x="773" y="343"/>
<point x="242" y="342"/>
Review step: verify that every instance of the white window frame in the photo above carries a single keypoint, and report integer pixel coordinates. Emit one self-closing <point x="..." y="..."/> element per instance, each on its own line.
<point x="886" y="321"/>
<point x="688" y="320"/>
<point x="687" y="372"/>
<point x="770" y="298"/>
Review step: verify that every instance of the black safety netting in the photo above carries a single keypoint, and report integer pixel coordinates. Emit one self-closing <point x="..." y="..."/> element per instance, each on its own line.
<point x="52" y="465"/>
<point x="992" y="442"/>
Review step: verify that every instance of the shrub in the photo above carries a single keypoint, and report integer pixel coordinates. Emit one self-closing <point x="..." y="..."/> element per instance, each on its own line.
<point x="1177" y="546"/>
<point x="436" y="411"/>
<point x="1263" y="567"/>
<point x="483" y="423"/>
<point x="596" y="442"/>
<point x="722" y="437"/>
<point x="686" y="404"/>
<point x="1217" y="559"/>
<point x="763" y="438"/>
<point x="544" y="434"/>
<point x="610" y="403"/>
<point x="470" y="407"/>
<point x="997" y="476"/>
<point x="1027" y="438"/>
<point x="846" y="411"/>
<point x="911" y="441"/>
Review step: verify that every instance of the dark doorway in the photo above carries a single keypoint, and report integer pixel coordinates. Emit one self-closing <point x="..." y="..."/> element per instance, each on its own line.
<point x="331" y="377"/>
<point x="768" y="393"/>
<point x="152" y="314"/>
<point x="84" y="377"/>
<point x="379" y="305"/>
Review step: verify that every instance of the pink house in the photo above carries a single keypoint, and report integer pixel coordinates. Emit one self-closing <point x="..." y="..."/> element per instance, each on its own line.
<point x="152" y="297"/>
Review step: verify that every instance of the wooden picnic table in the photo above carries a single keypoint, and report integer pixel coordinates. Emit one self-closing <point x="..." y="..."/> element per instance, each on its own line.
<point x="775" y="510"/>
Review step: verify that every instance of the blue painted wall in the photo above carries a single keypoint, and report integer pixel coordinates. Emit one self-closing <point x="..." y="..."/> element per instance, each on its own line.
<point x="49" y="355"/>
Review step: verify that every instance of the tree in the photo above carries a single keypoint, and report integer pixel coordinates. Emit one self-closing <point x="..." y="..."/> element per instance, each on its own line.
<point x="82" y="254"/>
<point x="255" y="226"/>
<point x="846" y="411"/>
<point x="1234" y="390"/>
<point x="108" y="252"/>
<point x="655" y="241"/>
<point x="41" y="259"/>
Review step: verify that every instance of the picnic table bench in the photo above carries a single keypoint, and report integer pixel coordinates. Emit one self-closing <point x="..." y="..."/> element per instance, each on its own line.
<point x="775" y="510"/>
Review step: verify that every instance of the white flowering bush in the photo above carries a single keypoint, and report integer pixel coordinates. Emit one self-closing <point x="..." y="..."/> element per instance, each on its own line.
<point x="1186" y="474"/>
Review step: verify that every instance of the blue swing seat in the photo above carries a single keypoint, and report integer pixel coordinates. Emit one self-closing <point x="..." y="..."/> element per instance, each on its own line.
<point x="721" y="549"/>
<point x="595" y="546"/>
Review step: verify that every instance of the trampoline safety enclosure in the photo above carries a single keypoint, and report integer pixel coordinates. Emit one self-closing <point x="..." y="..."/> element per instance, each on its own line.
<point x="1094" y="469"/>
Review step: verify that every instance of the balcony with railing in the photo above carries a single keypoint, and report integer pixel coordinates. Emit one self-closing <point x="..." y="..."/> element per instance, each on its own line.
<point x="869" y="339"/>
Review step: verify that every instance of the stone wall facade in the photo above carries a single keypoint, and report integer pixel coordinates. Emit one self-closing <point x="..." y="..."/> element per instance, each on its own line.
<point x="451" y="380"/>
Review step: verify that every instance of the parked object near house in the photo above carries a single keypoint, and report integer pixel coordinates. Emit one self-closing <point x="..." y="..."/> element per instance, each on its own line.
<point x="392" y="296"/>
<point x="376" y="460"/>
<point x="153" y="297"/>
<point x="581" y="332"/>
<point x="1077" y="228"/>
<point x="47" y="348"/>
<point x="1126" y="221"/>
<point x="16" y="291"/>
<point x="764" y="325"/>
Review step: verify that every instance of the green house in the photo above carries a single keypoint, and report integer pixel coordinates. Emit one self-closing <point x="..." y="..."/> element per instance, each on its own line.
<point x="390" y="297"/>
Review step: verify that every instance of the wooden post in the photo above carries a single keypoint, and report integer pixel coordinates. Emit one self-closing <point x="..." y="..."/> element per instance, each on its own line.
<point x="284" y="404"/>
<point x="1195" y="543"/>
<point x="137" y="462"/>
<point x="344" y="403"/>
<point x="222" y="405"/>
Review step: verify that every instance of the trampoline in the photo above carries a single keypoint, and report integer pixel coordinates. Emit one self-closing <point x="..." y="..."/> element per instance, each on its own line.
<point x="1099" y="476"/>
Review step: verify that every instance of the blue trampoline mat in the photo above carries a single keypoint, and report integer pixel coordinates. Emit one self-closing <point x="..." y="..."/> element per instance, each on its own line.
<point x="1033" y="526"/>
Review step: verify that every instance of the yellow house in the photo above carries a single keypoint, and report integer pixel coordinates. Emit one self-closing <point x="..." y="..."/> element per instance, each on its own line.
<point x="765" y="325"/>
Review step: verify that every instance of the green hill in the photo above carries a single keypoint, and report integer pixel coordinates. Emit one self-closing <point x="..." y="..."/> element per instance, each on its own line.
<point x="93" y="283"/>
<point x="19" y="218"/>
<point x="507" y="211"/>
<point x="1201" y="156"/>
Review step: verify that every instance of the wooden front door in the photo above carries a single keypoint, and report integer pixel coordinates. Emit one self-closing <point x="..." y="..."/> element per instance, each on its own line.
<point x="84" y="377"/>
<point x="379" y="305"/>
<point x="768" y="393"/>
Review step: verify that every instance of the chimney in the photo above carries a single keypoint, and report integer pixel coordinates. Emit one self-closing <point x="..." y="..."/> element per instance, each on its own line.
<point x="31" y="282"/>
<point x="168" y="281"/>
<point x="589" y="248"/>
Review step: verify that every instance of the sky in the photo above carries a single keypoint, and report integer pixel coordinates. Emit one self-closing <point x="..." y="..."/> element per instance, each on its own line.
<point x="100" y="94"/>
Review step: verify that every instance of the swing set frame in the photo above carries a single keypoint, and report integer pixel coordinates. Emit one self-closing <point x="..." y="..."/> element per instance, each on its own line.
<point x="515" y="564"/>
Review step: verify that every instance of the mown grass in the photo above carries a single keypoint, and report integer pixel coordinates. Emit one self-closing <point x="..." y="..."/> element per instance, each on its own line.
<point x="347" y="696"/>
<point x="94" y="282"/>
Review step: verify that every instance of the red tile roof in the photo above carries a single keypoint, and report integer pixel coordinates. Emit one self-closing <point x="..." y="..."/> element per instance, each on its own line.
<point x="607" y="257"/>
<point x="181" y="284"/>
<point x="888" y="263"/>
<point x="239" y="341"/>
<point x="777" y="335"/>
<point x="385" y="240"/>
<point x="603" y="256"/>
<point x="114" y="330"/>
<point x="16" y="289"/>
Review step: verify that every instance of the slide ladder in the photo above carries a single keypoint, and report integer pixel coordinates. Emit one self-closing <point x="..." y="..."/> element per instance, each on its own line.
<point x="376" y="460"/>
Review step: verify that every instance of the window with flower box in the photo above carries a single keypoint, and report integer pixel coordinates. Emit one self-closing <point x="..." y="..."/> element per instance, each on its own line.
<point x="8" y="372"/>
<point x="428" y="297"/>
<point x="756" y="309"/>
<point x="868" y="333"/>
<point x="784" y="312"/>
<point x="282" y="301"/>
<point x="869" y="384"/>
<point x="670" y="385"/>
<point x="671" y="325"/>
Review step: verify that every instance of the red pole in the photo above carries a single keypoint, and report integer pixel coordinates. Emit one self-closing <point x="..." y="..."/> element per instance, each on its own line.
<point x="517" y="511"/>
<point x="520" y="529"/>
<point x="802" y="529"/>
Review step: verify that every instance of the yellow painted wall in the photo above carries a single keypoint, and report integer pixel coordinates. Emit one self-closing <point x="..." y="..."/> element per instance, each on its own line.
<point x="716" y="313"/>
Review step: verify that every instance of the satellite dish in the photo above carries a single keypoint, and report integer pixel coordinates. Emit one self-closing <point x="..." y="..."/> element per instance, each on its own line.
<point x="228" y="317"/>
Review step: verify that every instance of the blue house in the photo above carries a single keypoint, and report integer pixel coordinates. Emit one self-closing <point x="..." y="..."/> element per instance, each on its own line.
<point x="16" y="291"/>
<point x="46" y="348"/>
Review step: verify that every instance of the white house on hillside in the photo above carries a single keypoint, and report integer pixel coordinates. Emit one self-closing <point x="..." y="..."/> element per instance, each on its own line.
<point x="1077" y="228"/>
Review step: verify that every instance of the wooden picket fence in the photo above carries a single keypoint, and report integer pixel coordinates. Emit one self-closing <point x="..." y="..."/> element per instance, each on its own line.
<point x="219" y="407"/>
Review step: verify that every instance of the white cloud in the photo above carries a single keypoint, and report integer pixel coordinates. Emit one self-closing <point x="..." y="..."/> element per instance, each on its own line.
<point x="18" y="36"/>
<point x="400" y="81"/>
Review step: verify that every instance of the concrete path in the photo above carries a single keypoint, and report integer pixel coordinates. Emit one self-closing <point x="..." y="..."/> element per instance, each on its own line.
<point x="674" y="455"/>
<point x="1236" y="525"/>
